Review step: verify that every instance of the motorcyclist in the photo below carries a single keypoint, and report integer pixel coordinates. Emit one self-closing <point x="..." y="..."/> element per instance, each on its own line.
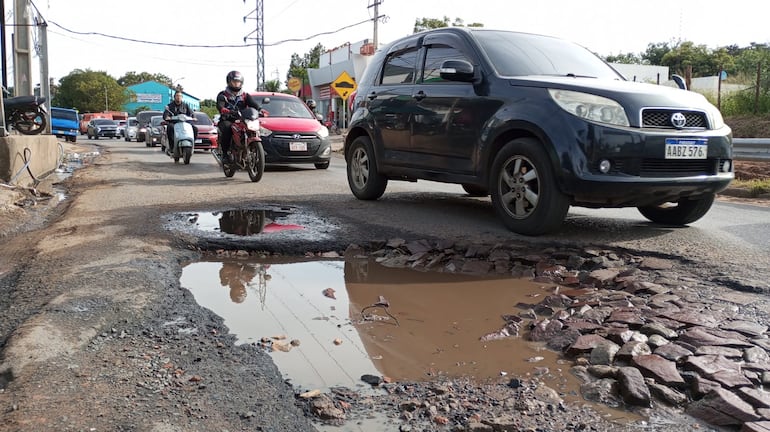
<point x="176" y="107"/>
<point x="230" y="102"/>
<point x="311" y="104"/>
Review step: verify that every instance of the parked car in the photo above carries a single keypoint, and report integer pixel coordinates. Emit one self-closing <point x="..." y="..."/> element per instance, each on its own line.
<point x="154" y="131"/>
<point x="539" y="123"/>
<point x="143" y="120"/>
<point x="65" y="123"/>
<point x="102" y="128"/>
<point x="131" y="129"/>
<point x="290" y="132"/>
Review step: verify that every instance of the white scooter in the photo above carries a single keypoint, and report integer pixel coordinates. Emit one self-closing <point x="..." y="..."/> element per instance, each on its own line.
<point x="183" y="138"/>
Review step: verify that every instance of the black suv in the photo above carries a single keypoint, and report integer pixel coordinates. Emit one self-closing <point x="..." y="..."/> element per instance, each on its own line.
<point x="538" y="123"/>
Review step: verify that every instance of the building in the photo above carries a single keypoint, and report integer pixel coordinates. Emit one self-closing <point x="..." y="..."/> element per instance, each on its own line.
<point x="351" y="59"/>
<point x="155" y="96"/>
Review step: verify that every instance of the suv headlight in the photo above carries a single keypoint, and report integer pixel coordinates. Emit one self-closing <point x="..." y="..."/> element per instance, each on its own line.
<point x="590" y="107"/>
<point x="717" y="122"/>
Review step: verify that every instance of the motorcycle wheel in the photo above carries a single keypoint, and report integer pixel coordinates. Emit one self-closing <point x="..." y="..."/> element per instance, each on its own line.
<point x="187" y="155"/>
<point x="255" y="161"/>
<point x="26" y="124"/>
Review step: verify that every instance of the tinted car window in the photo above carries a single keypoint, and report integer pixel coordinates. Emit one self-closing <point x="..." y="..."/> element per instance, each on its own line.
<point x="104" y="122"/>
<point x="202" y="119"/>
<point x="436" y="55"/>
<point x="399" y="67"/>
<point x="521" y="54"/>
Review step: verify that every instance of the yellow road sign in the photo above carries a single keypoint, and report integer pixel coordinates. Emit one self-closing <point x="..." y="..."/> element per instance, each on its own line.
<point x="344" y="85"/>
<point x="294" y="84"/>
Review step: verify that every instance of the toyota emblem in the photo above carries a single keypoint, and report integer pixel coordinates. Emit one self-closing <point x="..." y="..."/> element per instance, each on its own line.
<point x="298" y="136"/>
<point x="678" y="120"/>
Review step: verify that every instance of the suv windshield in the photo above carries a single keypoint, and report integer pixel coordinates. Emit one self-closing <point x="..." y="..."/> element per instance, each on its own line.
<point x="104" y="122"/>
<point x="280" y="107"/>
<point x="521" y="54"/>
<point x="202" y="119"/>
<point x="64" y="113"/>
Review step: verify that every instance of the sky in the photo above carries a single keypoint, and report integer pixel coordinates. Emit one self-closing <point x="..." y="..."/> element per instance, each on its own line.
<point x="296" y="26"/>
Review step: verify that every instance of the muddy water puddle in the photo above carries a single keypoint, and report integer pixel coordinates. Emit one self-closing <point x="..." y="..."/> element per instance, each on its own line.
<point x="327" y="323"/>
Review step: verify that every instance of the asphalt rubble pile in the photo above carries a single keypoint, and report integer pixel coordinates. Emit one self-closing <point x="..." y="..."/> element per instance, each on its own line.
<point x="640" y="335"/>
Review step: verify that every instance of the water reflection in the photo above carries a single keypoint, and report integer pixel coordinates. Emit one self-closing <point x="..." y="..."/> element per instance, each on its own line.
<point x="246" y="222"/>
<point x="238" y="275"/>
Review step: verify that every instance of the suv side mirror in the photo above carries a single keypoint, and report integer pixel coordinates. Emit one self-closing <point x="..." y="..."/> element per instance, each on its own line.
<point x="457" y="70"/>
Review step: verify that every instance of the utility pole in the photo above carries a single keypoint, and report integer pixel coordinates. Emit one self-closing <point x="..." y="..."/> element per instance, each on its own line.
<point x="259" y="17"/>
<point x="22" y="54"/>
<point x="376" y="19"/>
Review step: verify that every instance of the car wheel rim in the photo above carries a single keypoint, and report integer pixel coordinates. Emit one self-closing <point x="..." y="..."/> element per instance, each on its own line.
<point x="519" y="187"/>
<point x="360" y="168"/>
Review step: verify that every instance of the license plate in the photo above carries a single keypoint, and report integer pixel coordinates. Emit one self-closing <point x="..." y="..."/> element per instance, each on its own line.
<point x="297" y="146"/>
<point x="691" y="148"/>
<point x="198" y="141"/>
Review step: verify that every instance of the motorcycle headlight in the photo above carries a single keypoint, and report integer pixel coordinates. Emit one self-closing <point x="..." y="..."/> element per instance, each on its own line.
<point x="252" y="125"/>
<point x="263" y="131"/>
<point x="590" y="107"/>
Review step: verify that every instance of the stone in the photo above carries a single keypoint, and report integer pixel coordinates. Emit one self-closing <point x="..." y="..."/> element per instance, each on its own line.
<point x="662" y="370"/>
<point x="582" y="325"/>
<point x="604" y="353"/>
<point x="652" y="263"/>
<point x="730" y="379"/>
<point x="544" y="329"/>
<point x="722" y="408"/>
<point x="667" y="394"/>
<point x="602" y="277"/>
<point x="701" y="386"/>
<point x="658" y="329"/>
<point x="711" y="364"/>
<point x="560" y="341"/>
<point x="632" y="349"/>
<point x="760" y="426"/>
<point x="755" y="355"/>
<point x="585" y="343"/>
<point x="698" y="337"/>
<point x="695" y="318"/>
<point x="603" y="391"/>
<point x="673" y="352"/>
<point x="719" y="350"/>
<point x="633" y="389"/>
<point x="627" y="315"/>
<point x="656" y="341"/>
<point x="746" y="327"/>
<point x="603" y="371"/>
<point x="756" y="397"/>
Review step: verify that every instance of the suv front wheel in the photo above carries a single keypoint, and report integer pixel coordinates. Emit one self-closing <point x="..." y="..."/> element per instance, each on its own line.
<point x="364" y="180"/>
<point x="524" y="191"/>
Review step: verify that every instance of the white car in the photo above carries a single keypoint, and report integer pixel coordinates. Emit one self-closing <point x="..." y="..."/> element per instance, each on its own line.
<point x="129" y="131"/>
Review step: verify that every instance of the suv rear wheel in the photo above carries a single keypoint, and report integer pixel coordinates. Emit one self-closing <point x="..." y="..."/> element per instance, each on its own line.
<point x="364" y="180"/>
<point x="524" y="191"/>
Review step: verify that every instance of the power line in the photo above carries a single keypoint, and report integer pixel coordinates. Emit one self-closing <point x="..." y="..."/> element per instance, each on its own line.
<point x="177" y="45"/>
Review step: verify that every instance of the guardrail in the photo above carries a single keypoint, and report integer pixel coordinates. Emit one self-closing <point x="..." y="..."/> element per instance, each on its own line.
<point x="751" y="149"/>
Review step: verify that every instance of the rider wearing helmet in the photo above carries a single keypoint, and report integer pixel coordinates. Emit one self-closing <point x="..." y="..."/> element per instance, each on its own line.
<point x="311" y="104"/>
<point x="230" y="102"/>
<point x="176" y="107"/>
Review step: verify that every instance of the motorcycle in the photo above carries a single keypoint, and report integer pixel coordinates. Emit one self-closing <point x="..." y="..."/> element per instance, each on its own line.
<point x="183" y="138"/>
<point x="246" y="151"/>
<point x="27" y="114"/>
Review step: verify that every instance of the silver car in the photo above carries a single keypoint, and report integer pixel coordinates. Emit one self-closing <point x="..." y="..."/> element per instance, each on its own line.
<point x="129" y="133"/>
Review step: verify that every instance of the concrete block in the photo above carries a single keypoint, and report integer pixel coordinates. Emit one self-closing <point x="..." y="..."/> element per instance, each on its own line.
<point x="43" y="152"/>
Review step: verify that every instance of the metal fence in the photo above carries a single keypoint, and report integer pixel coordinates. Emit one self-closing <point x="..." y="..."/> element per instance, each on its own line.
<point x="751" y="149"/>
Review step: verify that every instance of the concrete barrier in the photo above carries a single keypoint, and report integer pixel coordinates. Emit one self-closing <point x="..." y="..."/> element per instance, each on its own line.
<point x="43" y="153"/>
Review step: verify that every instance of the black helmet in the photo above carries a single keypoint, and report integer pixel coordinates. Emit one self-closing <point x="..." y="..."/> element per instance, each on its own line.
<point x="310" y="104"/>
<point x="233" y="76"/>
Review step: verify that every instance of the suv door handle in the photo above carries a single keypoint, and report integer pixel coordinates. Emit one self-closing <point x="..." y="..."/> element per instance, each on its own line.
<point x="372" y="96"/>
<point x="420" y="95"/>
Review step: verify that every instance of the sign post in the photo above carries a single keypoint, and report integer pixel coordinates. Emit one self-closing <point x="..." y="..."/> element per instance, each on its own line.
<point x="344" y="85"/>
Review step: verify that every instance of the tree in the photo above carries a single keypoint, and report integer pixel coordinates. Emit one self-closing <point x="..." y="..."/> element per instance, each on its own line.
<point x="434" y="23"/>
<point x="131" y="78"/>
<point x="687" y="54"/>
<point x="209" y="106"/>
<point x="90" y="91"/>
<point x="273" y="86"/>
<point x="655" y="52"/>
<point x="299" y="65"/>
<point x="625" y="58"/>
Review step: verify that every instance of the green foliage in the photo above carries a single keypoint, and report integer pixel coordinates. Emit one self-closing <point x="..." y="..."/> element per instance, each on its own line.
<point x="90" y="91"/>
<point x="209" y="106"/>
<point x="625" y="58"/>
<point x="745" y="102"/>
<point x="141" y="108"/>
<point x="273" y="86"/>
<point x="299" y="65"/>
<point x="131" y="78"/>
<point x="434" y="23"/>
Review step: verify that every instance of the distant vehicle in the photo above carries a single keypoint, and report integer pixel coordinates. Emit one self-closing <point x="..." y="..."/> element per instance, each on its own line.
<point x="537" y="123"/>
<point x="208" y="134"/>
<point x="86" y="118"/>
<point x="65" y="123"/>
<point x="143" y="120"/>
<point x="131" y="129"/>
<point x="121" y="127"/>
<point x="154" y="131"/>
<point x="102" y="128"/>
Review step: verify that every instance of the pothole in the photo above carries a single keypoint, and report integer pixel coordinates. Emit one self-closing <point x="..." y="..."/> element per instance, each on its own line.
<point x="327" y="323"/>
